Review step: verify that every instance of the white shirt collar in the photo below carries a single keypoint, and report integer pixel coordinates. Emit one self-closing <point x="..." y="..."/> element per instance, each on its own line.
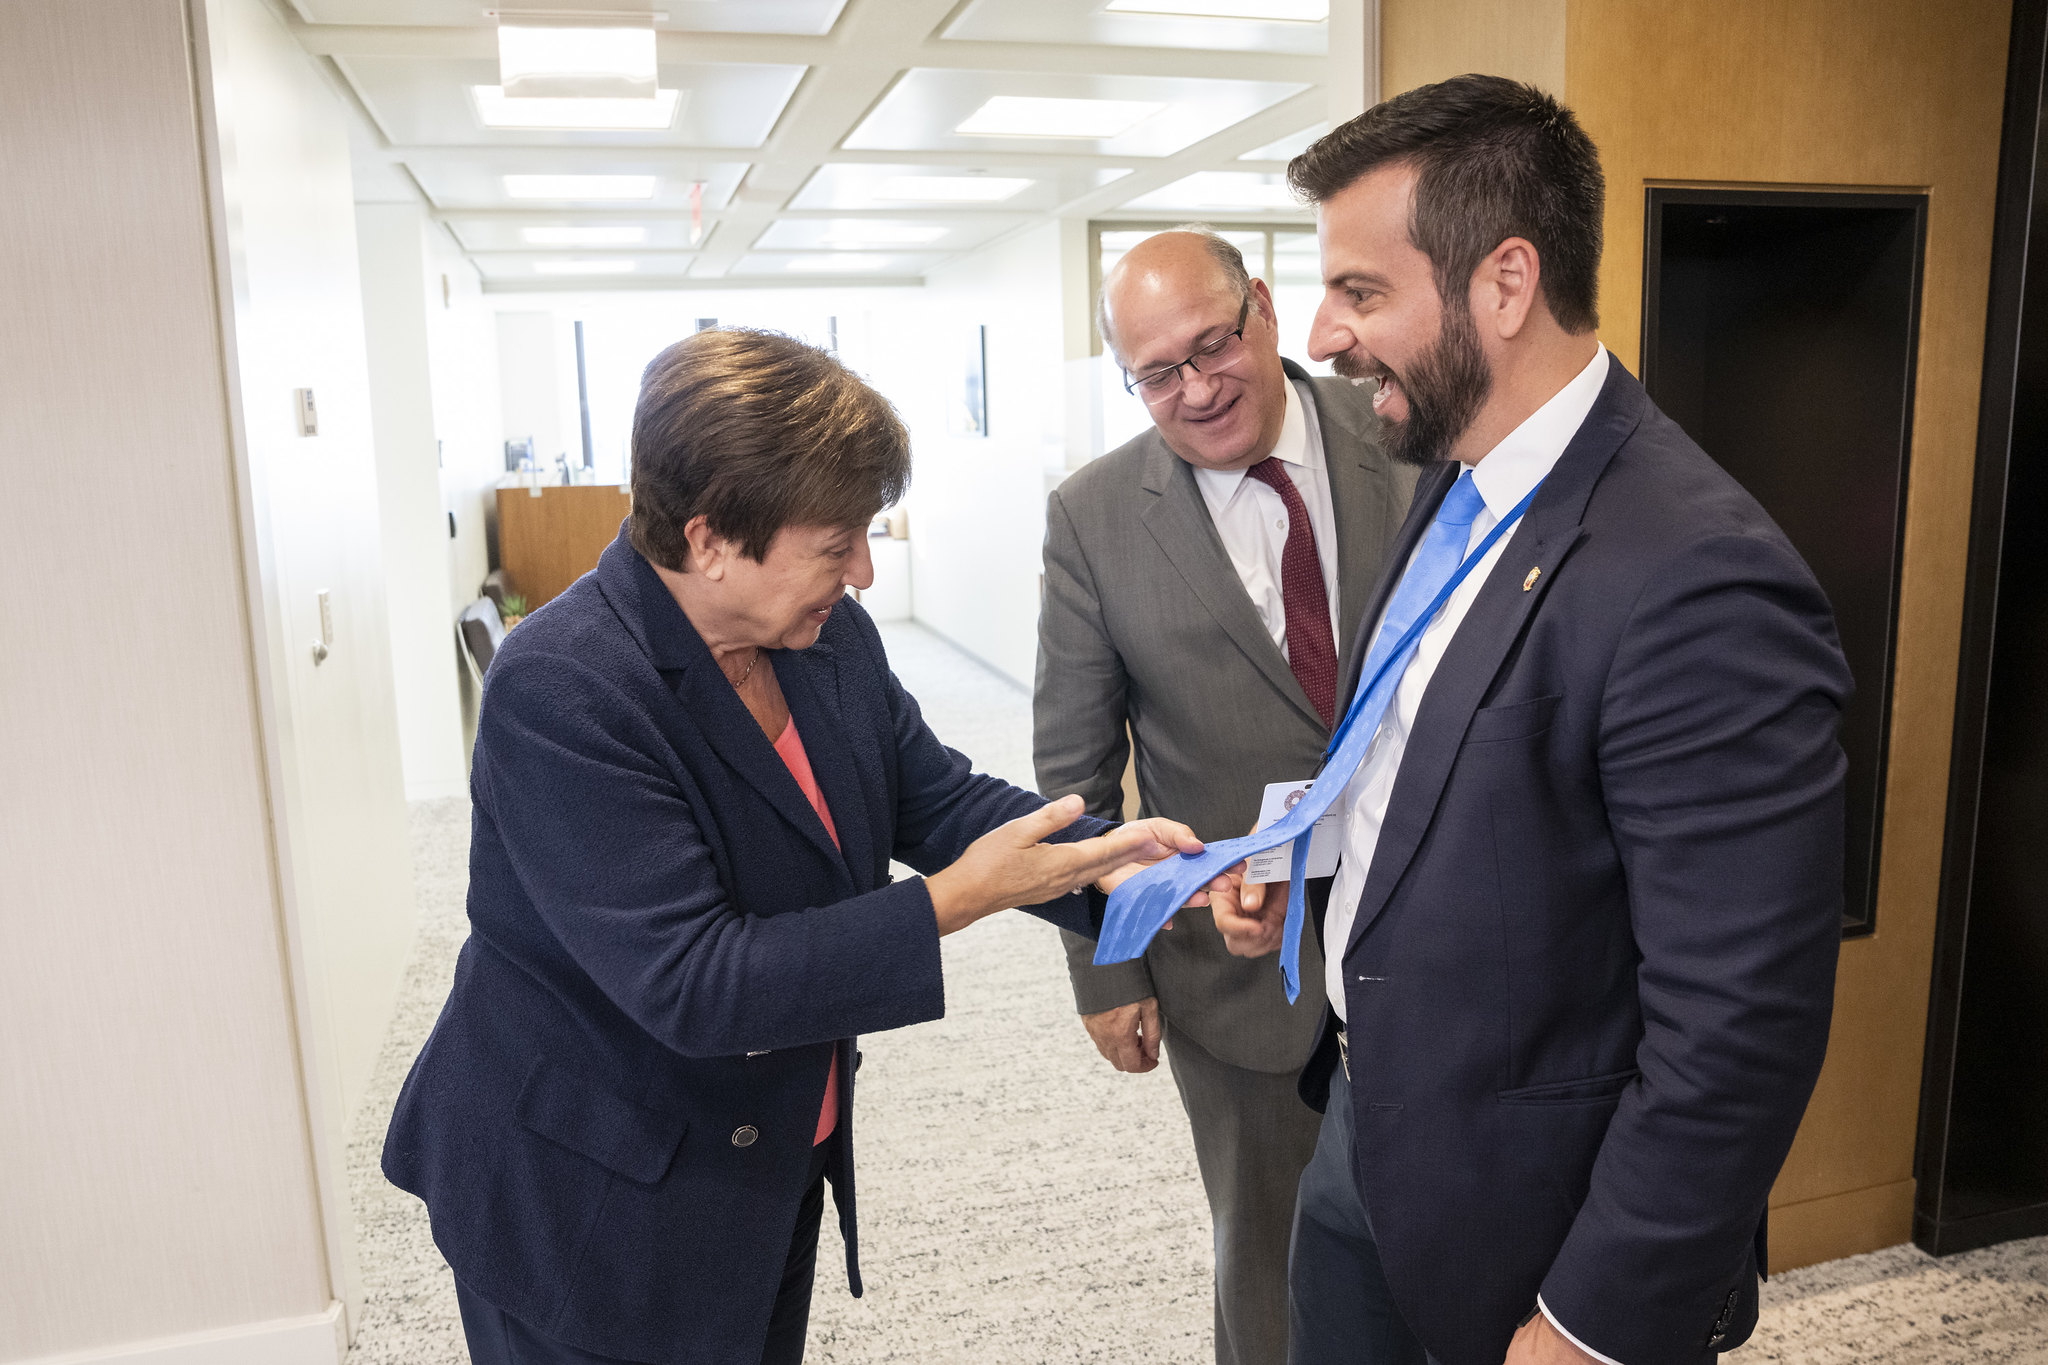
<point x="1298" y="444"/>
<point x="1526" y="455"/>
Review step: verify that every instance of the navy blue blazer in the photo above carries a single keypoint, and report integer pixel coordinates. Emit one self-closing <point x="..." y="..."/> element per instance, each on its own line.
<point x="1591" y="975"/>
<point x="612" y="1122"/>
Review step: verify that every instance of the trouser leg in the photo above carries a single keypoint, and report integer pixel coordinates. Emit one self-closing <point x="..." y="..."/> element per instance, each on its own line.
<point x="1252" y="1137"/>
<point x="1340" y="1311"/>
<point x="790" y="1322"/>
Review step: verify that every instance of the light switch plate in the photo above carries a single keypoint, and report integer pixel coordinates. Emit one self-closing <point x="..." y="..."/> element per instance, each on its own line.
<point x="309" y="416"/>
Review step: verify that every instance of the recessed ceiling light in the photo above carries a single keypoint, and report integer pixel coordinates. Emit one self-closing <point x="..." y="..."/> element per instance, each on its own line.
<point x="1292" y="11"/>
<point x="950" y="189"/>
<point x="580" y="186"/>
<point x="854" y="232"/>
<point x="496" y="109"/>
<point x="583" y="267"/>
<point x="596" y="63"/>
<point x="583" y="236"/>
<point x="1222" y="190"/>
<point x="832" y="264"/>
<point x="1045" y="116"/>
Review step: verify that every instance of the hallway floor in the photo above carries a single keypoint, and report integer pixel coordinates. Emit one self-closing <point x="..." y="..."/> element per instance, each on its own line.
<point x="1023" y="1203"/>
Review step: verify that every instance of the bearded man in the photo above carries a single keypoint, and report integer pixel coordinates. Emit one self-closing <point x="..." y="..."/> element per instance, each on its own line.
<point x="1581" y="941"/>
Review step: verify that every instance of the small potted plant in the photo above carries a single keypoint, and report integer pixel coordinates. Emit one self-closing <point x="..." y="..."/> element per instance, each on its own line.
<point x="514" y="609"/>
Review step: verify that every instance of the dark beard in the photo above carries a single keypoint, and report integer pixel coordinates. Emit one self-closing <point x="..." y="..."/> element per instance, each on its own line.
<point x="1445" y="390"/>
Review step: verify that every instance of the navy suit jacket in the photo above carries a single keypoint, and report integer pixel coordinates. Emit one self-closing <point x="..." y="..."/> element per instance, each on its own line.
<point x="612" y="1122"/>
<point x="1591" y="974"/>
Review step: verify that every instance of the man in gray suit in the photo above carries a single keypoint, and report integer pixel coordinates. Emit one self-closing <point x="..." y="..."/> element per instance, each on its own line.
<point x="1202" y="588"/>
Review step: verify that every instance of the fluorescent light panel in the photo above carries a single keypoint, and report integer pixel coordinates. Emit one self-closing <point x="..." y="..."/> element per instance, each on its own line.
<point x="1291" y="11"/>
<point x="583" y="267"/>
<point x="546" y="61"/>
<point x="496" y="109"/>
<point x="855" y="232"/>
<point x="950" y="189"/>
<point x="1045" y="116"/>
<point x="817" y="265"/>
<point x="580" y="186"/>
<point x="583" y="236"/>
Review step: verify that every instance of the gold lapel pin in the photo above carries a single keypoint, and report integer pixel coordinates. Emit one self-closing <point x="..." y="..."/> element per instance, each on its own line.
<point x="1530" y="581"/>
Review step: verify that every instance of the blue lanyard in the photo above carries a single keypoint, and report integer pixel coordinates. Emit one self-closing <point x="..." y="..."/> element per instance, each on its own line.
<point x="1421" y="623"/>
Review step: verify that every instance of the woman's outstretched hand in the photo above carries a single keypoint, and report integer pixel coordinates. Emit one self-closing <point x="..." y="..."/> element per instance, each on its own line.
<point x="1013" y="865"/>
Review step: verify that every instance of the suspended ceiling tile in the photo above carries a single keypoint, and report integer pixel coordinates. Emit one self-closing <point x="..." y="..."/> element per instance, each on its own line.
<point x="884" y="234"/>
<point x="558" y="232"/>
<point x="922" y="110"/>
<point x="426" y="102"/>
<point x="574" y="268"/>
<point x="476" y="180"/>
<point x="1286" y="148"/>
<point x="848" y="187"/>
<point x="699" y="16"/>
<point x="1087" y="21"/>
<point x="835" y="267"/>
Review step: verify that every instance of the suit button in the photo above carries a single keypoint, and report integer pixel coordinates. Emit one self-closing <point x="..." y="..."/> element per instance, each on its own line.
<point x="744" y="1136"/>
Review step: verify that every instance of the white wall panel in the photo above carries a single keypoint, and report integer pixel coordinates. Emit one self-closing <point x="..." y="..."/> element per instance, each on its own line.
<point x="153" y="1137"/>
<point x="977" y="506"/>
<point x="391" y="241"/>
<point x="288" y="214"/>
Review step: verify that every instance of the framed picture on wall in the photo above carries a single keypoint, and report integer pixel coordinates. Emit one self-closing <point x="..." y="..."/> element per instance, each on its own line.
<point x="967" y="406"/>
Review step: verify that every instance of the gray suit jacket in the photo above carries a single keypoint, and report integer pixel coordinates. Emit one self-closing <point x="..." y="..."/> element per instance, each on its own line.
<point x="1146" y="624"/>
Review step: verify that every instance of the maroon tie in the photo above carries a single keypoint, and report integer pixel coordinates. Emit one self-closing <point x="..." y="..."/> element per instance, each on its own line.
<point x="1311" y="652"/>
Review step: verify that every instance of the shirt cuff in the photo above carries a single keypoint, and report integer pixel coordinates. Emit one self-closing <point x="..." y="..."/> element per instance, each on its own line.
<point x="1565" y="1332"/>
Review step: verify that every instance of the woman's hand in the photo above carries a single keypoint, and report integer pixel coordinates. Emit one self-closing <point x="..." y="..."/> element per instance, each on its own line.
<point x="1013" y="865"/>
<point x="1173" y="837"/>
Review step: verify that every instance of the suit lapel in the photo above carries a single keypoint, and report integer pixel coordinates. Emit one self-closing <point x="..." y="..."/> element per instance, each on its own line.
<point x="1550" y="528"/>
<point x="1178" y="520"/>
<point x="730" y="729"/>
<point x="809" y="683"/>
<point x="709" y="704"/>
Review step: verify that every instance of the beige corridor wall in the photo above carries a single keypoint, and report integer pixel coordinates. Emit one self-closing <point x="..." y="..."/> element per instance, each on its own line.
<point x="155" y="1168"/>
<point x="1887" y="94"/>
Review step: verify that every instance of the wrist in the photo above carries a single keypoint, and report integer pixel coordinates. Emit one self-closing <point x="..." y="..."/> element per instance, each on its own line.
<point x="953" y="904"/>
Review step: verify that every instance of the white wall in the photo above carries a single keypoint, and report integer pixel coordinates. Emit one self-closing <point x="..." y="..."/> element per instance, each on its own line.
<point x="977" y="506"/>
<point x="462" y="353"/>
<point x="391" y="241"/>
<point x="288" y="213"/>
<point x="156" y="1160"/>
<point x="537" y="384"/>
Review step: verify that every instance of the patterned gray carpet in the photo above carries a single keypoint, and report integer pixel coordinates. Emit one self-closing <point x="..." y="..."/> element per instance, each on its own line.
<point x="1023" y="1203"/>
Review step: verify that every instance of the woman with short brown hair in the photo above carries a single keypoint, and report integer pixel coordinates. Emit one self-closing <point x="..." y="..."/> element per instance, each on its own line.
<point x="692" y="771"/>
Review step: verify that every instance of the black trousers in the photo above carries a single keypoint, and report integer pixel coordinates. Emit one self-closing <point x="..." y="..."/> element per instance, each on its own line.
<point x="1339" y="1309"/>
<point x="497" y="1338"/>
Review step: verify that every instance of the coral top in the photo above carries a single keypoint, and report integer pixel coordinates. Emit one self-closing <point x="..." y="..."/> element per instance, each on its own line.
<point x="790" y="749"/>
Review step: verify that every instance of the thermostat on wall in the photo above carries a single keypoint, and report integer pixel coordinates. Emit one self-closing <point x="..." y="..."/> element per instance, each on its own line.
<point x="309" y="417"/>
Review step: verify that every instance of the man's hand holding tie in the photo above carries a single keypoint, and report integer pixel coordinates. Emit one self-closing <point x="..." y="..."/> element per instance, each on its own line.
<point x="1250" y="921"/>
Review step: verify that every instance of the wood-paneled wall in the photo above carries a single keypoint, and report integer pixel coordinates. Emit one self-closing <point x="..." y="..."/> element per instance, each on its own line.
<point x="1892" y="94"/>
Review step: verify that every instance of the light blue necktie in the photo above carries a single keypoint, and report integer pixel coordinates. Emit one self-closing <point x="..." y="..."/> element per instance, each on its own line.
<point x="1143" y="904"/>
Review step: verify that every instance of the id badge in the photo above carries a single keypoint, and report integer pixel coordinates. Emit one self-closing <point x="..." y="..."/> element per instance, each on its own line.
<point x="1277" y="864"/>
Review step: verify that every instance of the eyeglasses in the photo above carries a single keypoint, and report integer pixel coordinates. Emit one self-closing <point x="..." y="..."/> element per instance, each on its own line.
<point x="1218" y="356"/>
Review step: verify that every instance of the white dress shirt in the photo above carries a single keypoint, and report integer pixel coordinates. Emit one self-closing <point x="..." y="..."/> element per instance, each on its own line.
<point x="1252" y="520"/>
<point x="1503" y="477"/>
